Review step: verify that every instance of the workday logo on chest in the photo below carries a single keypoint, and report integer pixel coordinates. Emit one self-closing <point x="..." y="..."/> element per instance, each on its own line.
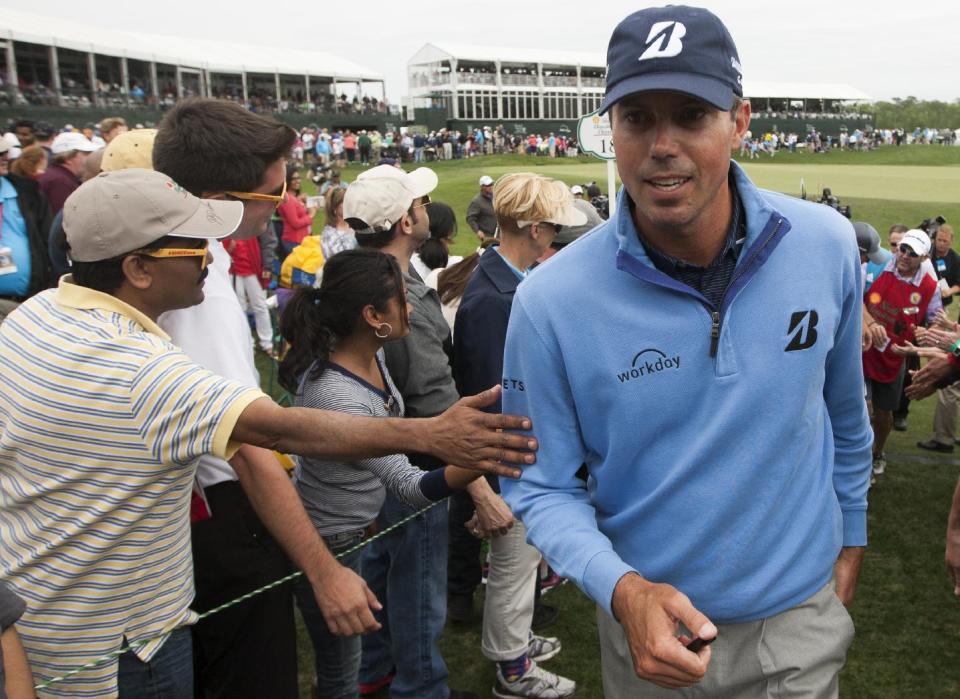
<point x="648" y="362"/>
<point x="664" y="40"/>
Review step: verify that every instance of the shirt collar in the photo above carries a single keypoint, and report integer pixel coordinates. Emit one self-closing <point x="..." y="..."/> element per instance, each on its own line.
<point x="521" y="274"/>
<point x="72" y="295"/>
<point x="914" y="280"/>
<point x="415" y="284"/>
<point x="736" y="236"/>
<point x="7" y="190"/>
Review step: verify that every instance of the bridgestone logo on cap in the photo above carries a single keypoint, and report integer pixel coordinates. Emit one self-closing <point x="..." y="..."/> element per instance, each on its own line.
<point x="664" y="40"/>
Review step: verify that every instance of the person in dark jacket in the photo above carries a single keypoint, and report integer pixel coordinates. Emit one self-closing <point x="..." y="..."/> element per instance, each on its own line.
<point x="531" y="210"/>
<point x="24" y="263"/>
<point x="480" y="216"/>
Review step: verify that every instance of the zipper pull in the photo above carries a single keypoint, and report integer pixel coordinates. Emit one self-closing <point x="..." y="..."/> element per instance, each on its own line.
<point x="714" y="333"/>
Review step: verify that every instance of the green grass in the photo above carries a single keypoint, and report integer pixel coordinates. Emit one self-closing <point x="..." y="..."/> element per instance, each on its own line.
<point x="908" y="622"/>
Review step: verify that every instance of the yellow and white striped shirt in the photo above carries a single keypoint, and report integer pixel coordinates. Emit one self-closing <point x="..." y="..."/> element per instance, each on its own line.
<point x="102" y="419"/>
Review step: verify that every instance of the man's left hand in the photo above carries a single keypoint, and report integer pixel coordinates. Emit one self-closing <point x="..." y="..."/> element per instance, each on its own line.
<point x="926" y="380"/>
<point x="846" y="571"/>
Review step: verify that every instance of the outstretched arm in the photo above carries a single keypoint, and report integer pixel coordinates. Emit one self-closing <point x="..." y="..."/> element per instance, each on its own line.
<point x="463" y="435"/>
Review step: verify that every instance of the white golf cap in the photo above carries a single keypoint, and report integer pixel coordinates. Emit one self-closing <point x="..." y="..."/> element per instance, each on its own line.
<point x="118" y="212"/>
<point x="917" y="240"/>
<point x="486" y="181"/>
<point x="380" y="196"/>
<point x="72" y="141"/>
<point x="576" y="189"/>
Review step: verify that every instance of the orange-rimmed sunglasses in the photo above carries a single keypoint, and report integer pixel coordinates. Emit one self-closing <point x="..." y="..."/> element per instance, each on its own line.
<point x="162" y="253"/>
<point x="424" y="201"/>
<point x="277" y="199"/>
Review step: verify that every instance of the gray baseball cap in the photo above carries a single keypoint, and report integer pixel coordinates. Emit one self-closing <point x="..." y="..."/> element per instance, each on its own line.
<point x="118" y="212"/>
<point x="868" y="240"/>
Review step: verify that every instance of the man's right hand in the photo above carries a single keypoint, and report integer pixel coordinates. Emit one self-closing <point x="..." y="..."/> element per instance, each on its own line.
<point x="648" y="613"/>
<point x="345" y="601"/>
<point x="874" y="336"/>
<point x="470" y="438"/>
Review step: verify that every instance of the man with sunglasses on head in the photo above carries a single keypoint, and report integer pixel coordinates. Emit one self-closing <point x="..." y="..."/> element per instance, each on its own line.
<point x="218" y="150"/>
<point x="902" y="297"/>
<point x="104" y="419"/>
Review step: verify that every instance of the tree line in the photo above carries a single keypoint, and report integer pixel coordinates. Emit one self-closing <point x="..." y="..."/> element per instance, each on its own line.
<point x="909" y="113"/>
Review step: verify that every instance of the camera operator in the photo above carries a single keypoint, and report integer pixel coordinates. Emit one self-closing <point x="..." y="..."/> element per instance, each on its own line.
<point x="946" y="262"/>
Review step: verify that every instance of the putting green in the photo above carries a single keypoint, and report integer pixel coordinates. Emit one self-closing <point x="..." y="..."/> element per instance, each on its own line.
<point x="897" y="182"/>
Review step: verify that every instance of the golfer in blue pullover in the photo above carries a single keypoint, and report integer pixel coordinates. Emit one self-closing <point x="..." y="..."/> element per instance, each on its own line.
<point x="700" y="354"/>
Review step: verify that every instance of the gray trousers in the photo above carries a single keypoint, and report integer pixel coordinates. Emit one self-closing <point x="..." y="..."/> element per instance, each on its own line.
<point x="797" y="653"/>
<point x="945" y="416"/>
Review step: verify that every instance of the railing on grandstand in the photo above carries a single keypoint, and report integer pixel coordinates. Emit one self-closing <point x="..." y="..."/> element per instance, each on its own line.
<point x="79" y="97"/>
<point x="530" y="80"/>
<point x="560" y="80"/>
<point x="477" y="78"/>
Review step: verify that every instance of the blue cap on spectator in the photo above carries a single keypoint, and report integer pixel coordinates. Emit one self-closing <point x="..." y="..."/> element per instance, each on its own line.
<point x="676" y="48"/>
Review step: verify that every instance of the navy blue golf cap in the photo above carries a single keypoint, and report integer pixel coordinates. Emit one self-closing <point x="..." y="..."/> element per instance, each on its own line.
<point x="676" y="48"/>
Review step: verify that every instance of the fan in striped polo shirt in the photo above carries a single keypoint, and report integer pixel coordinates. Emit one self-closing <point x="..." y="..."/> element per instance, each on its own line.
<point x="102" y="420"/>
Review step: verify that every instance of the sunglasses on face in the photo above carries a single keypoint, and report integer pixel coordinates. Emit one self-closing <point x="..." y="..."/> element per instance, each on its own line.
<point x="164" y="253"/>
<point x="907" y="250"/>
<point x="424" y="200"/>
<point x="277" y="199"/>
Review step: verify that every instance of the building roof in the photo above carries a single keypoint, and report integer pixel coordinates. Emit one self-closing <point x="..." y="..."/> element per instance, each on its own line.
<point x="194" y="53"/>
<point x="799" y="91"/>
<point x="471" y="52"/>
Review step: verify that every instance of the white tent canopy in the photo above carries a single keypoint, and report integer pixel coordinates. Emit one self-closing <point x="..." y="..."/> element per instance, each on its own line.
<point x="469" y="52"/>
<point x="828" y="91"/>
<point x="192" y="53"/>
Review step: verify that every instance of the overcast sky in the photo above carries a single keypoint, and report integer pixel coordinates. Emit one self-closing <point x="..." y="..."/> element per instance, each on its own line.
<point x="885" y="49"/>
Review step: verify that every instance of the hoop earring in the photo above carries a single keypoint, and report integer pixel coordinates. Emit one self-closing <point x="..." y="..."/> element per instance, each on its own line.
<point x="380" y="328"/>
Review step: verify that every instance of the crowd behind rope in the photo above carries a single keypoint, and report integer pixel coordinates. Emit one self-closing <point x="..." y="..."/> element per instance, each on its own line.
<point x="378" y="320"/>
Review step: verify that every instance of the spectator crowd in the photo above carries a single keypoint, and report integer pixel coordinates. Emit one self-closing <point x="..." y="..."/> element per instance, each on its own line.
<point x="145" y="477"/>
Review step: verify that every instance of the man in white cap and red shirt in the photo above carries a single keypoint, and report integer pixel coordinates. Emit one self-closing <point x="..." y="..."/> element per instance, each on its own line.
<point x="901" y="298"/>
<point x="104" y="420"/>
<point x="387" y="208"/>
<point x="480" y="216"/>
<point x="70" y="151"/>
<point x="711" y="387"/>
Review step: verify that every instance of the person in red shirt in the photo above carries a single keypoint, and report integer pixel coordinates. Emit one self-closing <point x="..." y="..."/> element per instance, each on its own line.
<point x="350" y="145"/>
<point x="297" y="218"/>
<point x="246" y="267"/>
<point x="901" y="298"/>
